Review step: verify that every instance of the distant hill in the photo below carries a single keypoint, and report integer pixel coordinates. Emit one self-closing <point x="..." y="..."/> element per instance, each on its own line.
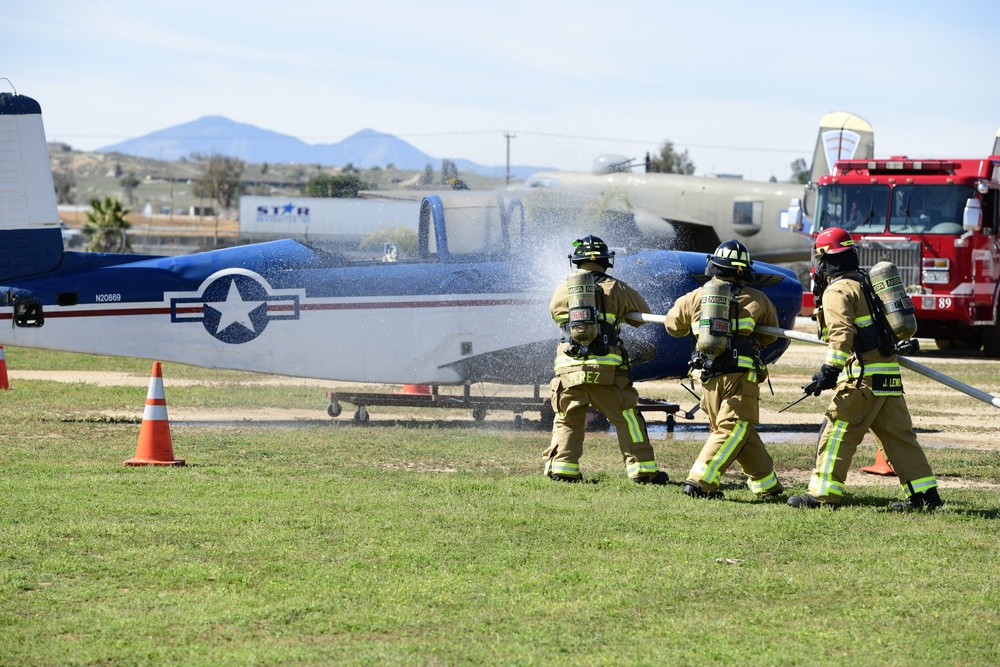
<point x="219" y="135"/>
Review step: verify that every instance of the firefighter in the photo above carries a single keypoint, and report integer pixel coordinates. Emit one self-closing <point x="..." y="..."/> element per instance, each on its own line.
<point x="869" y="388"/>
<point x="723" y="316"/>
<point x="596" y="372"/>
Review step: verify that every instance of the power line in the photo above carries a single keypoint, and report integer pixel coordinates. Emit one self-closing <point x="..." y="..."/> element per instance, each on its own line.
<point x="406" y="135"/>
<point x="675" y="143"/>
<point x="577" y="137"/>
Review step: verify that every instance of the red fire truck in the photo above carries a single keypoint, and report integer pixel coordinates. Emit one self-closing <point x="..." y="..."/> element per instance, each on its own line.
<point x="936" y="220"/>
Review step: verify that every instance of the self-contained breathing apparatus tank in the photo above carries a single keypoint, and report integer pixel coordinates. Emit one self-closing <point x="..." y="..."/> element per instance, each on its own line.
<point x="896" y="303"/>
<point x="582" y="326"/>
<point x="714" y="325"/>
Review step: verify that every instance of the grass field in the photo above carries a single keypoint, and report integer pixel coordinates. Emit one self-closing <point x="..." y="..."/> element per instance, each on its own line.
<point x="431" y="544"/>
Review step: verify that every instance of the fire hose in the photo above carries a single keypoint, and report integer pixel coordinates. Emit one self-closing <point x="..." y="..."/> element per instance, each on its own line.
<point x="946" y="380"/>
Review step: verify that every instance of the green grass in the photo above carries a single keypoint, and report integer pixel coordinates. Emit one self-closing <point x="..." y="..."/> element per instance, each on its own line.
<point x="338" y="544"/>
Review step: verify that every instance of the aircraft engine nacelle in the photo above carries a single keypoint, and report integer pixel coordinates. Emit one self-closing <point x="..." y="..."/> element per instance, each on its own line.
<point x="611" y="164"/>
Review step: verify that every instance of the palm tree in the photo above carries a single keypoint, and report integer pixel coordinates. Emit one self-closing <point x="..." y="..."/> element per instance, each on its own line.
<point x="106" y="225"/>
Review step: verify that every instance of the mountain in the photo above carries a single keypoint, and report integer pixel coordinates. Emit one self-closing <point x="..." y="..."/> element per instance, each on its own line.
<point x="369" y="148"/>
<point x="219" y="135"/>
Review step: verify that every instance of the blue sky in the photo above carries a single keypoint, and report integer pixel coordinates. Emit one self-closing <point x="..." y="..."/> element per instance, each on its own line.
<point x="740" y="85"/>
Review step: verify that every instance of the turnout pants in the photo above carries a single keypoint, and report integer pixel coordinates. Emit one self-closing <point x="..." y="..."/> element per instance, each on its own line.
<point x="616" y="402"/>
<point x="852" y="413"/>
<point x="732" y="403"/>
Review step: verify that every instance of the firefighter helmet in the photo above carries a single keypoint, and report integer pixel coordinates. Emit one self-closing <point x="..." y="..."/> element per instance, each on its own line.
<point x="832" y="241"/>
<point x="592" y="249"/>
<point x="834" y="248"/>
<point x="730" y="260"/>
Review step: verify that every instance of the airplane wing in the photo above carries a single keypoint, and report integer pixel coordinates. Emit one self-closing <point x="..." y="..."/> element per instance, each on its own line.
<point x="401" y="195"/>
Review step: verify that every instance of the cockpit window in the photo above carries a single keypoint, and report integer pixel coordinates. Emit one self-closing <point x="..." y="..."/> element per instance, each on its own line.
<point x="928" y="209"/>
<point x="856" y="208"/>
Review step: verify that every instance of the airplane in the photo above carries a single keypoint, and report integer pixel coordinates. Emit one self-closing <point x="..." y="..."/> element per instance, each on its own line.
<point x="470" y="307"/>
<point x="696" y="213"/>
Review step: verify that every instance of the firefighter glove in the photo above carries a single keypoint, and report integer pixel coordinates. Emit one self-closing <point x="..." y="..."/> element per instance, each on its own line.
<point x="819" y="282"/>
<point x="825" y="378"/>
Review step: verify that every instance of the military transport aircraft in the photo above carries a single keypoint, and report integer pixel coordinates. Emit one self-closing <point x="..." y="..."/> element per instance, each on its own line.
<point x="696" y="213"/>
<point x="470" y="307"/>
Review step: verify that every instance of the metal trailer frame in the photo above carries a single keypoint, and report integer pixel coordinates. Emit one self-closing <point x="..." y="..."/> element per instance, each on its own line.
<point x="480" y="405"/>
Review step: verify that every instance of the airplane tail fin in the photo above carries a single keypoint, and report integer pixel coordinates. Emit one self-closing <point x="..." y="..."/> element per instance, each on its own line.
<point x="996" y="144"/>
<point x="27" y="196"/>
<point x="842" y="136"/>
<point x="30" y="238"/>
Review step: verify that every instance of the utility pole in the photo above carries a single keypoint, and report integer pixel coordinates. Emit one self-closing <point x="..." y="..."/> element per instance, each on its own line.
<point x="508" y="136"/>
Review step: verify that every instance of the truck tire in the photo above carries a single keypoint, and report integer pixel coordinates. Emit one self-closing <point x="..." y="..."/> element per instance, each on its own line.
<point x="991" y="341"/>
<point x="944" y="343"/>
<point x="971" y="344"/>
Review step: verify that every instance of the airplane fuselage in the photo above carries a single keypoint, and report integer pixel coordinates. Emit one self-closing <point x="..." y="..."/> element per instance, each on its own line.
<point x="681" y="212"/>
<point x="277" y="308"/>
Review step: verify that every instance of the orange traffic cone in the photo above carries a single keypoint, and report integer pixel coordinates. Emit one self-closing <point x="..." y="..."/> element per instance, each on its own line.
<point x="421" y="389"/>
<point x="154" y="446"/>
<point x="881" y="466"/>
<point x="3" y="371"/>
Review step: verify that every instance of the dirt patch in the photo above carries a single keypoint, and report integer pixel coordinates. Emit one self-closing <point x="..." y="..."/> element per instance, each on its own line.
<point x="117" y="379"/>
<point x="960" y="422"/>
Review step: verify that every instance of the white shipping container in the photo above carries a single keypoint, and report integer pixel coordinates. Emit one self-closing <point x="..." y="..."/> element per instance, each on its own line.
<point x="323" y="218"/>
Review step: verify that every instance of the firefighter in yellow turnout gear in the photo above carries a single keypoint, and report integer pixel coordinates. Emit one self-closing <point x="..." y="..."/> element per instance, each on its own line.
<point x="731" y="370"/>
<point x="869" y="388"/>
<point x="595" y="372"/>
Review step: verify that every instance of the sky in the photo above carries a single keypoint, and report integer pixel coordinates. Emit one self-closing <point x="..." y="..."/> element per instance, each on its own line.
<point x="740" y="86"/>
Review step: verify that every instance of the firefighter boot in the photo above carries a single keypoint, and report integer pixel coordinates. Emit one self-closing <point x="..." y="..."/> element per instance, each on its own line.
<point x="805" y="500"/>
<point x="773" y="493"/>
<point x="659" y="478"/>
<point x="928" y="501"/>
<point x="694" y="490"/>
<point x="571" y="479"/>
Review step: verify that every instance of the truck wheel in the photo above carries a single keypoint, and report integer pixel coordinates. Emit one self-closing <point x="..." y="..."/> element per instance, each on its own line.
<point x="970" y="344"/>
<point x="944" y="343"/>
<point x="991" y="341"/>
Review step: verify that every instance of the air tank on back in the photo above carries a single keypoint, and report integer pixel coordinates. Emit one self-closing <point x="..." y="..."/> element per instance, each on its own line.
<point x="714" y="327"/>
<point x="896" y="303"/>
<point x="582" y="303"/>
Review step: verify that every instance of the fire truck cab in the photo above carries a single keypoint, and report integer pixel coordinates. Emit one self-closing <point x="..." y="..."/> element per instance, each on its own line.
<point x="936" y="220"/>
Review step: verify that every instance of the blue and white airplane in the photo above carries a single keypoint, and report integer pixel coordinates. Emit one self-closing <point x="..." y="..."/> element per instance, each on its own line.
<point x="471" y="307"/>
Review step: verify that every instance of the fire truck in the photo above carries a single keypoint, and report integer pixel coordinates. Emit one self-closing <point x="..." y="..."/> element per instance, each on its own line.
<point x="936" y="220"/>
